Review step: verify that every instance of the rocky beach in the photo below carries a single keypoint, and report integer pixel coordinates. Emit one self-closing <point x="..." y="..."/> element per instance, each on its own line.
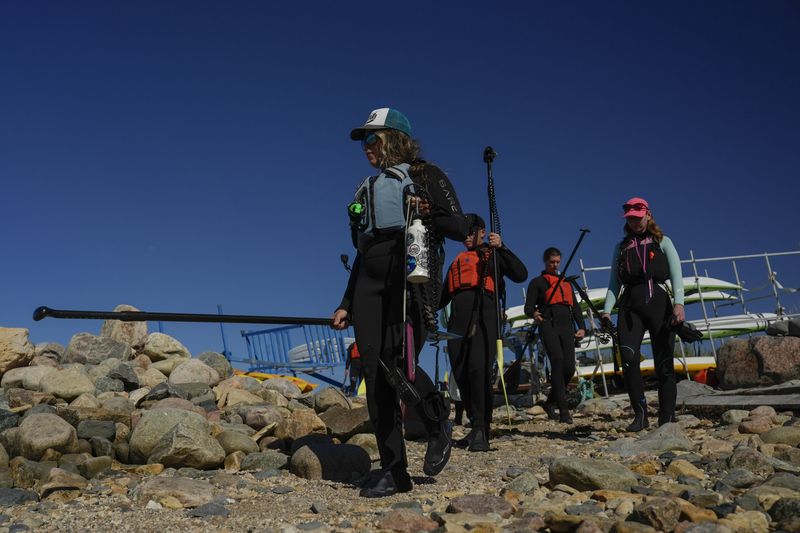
<point x="126" y="429"/>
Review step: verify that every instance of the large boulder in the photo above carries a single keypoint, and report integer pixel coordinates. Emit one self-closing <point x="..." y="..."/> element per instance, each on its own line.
<point x="194" y="371"/>
<point x="130" y="333"/>
<point x="26" y="377"/>
<point x="41" y="431"/>
<point x="15" y="348"/>
<point x="159" y="346"/>
<point x="154" y="424"/>
<point x="328" y="397"/>
<point x="188" y="445"/>
<point x="86" y="348"/>
<point x="758" y="361"/>
<point x="258" y="416"/>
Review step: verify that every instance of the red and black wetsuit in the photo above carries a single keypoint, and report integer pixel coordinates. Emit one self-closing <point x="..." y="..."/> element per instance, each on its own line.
<point x="557" y="331"/>
<point x="473" y="315"/>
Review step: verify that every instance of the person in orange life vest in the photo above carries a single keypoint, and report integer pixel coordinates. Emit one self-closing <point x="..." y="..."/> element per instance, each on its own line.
<point x="472" y="286"/>
<point x="552" y="305"/>
<point x="354" y="365"/>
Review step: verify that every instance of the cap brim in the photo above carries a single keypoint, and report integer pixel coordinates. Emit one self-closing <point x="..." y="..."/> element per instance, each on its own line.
<point x="359" y="133"/>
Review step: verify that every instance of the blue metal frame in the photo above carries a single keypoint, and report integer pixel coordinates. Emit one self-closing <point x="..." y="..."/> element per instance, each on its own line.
<point x="268" y="350"/>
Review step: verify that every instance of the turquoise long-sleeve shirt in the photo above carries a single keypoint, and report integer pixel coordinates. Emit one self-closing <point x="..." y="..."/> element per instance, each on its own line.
<point x="675" y="275"/>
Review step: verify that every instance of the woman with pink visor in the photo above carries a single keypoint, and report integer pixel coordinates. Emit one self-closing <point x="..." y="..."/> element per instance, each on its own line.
<point x="642" y="262"/>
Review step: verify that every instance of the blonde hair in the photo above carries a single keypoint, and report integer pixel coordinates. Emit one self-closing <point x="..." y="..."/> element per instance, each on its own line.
<point x="652" y="229"/>
<point x="396" y="148"/>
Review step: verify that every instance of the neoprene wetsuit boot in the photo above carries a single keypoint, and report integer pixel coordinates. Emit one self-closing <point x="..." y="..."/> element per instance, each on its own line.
<point x="479" y="441"/>
<point x="564" y="416"/>
<point x="387" y="484"/>
<point x="640" y="421"/>
<point x="438" y="452"/>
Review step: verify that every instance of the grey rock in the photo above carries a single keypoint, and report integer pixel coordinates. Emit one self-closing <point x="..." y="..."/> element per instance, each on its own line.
<point x="188" y="445"/>
<point x="97" y="428"/>
<point x="285" y="387"/>
<point x="668" y="437"/>
<point x="702" y="497"/>
<point x="190" y="391"/>
<point x="163" y="391"/>
<point x="661" y="513"/>
<point x="734" y="417"/>
<point x="67" y="384"/>
<point x="101" y="446"/>
<point x="194" y="371"/>
<point x="189" y="492"/>
<point x="781" y="479"/>
<point x="94" y="466"/>
<point x="591" y="474"/>
<point x="159" y="347"/>
<point x="269" y="460"/>
<point x="124" y="373"/>
<point x="218" y="362"/>
<point x="41" y="431"/>
<point x="343" y="423"/>
<point x="132" y="333"/>
<point x="59" y="479"/>
<point x="88" y="349"/>
<point x="9" y="497"/>
<point x="524" y="483"/>
<point x="368" y="442"/>
<point x="782" y="435"/>
<point x="208" y="510"/>
<point x="335" y="462"/>
<point x="597" y="406"/>
<point x="751" y="460"/>
<point x="258" y="416"/>
<point x="480" y="504"/>
<point x="8" y="420"/>
<point x="156" y="423"/>
<point x="106" y="384"/>
<point x="785" y="510"/>
<point x="328" y="397"/>
<point x="41" y="408"/>
<point x="740" y="478"/>
<point x="233" y="441"/>
<point x="52" y="350"/>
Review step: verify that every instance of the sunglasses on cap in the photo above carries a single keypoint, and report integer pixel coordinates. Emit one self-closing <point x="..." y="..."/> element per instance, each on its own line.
<point x="634" y="207"/>
<point x="370" y="140"/>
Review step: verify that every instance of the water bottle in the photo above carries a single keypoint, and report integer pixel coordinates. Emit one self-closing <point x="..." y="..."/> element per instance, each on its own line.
<point x="417" y="252"/>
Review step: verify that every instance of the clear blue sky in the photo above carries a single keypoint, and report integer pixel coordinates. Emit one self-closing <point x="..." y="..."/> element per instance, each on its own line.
<point x="176" y="155"/>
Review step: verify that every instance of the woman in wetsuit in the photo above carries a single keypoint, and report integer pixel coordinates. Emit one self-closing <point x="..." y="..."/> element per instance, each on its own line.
<point x="551" y="303"/>
<point x="641" y="264"/>
<point x="472" y="285"/>
<point x="373" y="300"/>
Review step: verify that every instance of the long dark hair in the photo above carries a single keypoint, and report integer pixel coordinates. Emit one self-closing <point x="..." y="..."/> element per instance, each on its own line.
<point x="396" y="148"/>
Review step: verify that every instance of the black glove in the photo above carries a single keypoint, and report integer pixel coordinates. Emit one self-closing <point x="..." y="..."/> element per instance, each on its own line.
<point x="687" y="332"/>
<point x="606" y="323"/>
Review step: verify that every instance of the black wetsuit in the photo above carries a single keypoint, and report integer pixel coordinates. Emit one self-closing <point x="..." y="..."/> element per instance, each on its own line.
<point x="471" y="357"/>
<point x="641" y="265"/>
<point x="558" y="335"/>
<point x="374" y="300"/>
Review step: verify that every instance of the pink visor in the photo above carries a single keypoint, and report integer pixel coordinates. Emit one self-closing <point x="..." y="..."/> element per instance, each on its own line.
<point x="635" y="207"/>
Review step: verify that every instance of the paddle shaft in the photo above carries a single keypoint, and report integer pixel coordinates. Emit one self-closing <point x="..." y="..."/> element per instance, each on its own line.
<point x="142" y="316"/>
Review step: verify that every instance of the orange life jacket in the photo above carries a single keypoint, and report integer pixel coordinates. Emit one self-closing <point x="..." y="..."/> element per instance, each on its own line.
<point x="562" y="296"/>
<point x="465" y="272"/>
<point x="354" y="353"/>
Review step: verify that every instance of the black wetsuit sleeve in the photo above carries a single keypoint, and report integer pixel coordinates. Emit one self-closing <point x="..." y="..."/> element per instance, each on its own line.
<point x="536" y="291"/>
<point x="347" y="299"/>
<point x="447" y="217"/>
<point x="510" y="265"/>
<point x="577" y="314"/>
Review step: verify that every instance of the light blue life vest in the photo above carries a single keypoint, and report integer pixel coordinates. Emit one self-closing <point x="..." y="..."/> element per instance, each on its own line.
<point x="383" y="197"/>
